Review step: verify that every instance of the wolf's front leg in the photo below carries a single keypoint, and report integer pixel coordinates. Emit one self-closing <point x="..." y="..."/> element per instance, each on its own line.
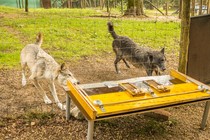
<point x="149" y="71"/>
<point x="23" y="79"/>
<point x="54" y="93"/>
<point x="44" y="95"/>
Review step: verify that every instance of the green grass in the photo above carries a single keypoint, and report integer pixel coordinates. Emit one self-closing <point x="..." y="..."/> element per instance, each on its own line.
<point x="72" y="33"/>
<point x="9" y="49"/>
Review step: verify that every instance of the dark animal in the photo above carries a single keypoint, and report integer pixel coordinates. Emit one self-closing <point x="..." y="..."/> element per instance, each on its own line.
<point x="126" y="49"/>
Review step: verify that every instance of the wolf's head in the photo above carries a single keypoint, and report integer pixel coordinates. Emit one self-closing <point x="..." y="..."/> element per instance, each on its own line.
<point x="64" y="74"/>
<point x="158" y="59"/>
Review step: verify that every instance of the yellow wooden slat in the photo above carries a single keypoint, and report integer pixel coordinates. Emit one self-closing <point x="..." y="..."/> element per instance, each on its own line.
<point x="177" y="75"/>
<point x="149" y="104"/>
<point x="82" y="102"/>
<point x="120" y="102"/>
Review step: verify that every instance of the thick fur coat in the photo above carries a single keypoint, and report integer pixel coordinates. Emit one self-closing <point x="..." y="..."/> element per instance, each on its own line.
<point x="43" y="66"/>
<point x="127" y="50"/>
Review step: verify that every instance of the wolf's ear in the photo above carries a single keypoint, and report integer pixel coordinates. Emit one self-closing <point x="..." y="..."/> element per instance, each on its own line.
<point x="162" y="50"/>
<point x="62" y="66"/>
<point x="150" y="56"/>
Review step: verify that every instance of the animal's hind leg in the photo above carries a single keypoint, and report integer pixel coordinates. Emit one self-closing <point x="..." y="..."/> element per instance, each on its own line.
<point x="23" y="65"/>
<point x="44" y="95"/>
<point x="126" y="63"/>
<point x="118" y="58"/>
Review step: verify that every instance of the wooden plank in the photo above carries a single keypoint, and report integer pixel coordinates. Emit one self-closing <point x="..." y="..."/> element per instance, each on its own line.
<point x="82" y="102"/>
<point x="178" y="75"/>
<point x="185" y="78"/>
<point x="152" y="104"/>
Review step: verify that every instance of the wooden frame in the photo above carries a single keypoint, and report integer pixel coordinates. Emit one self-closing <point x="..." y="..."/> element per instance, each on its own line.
<point x="197" y="91"/>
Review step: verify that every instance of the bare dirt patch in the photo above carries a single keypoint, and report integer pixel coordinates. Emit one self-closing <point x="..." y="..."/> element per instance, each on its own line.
<point x="18" y="104"/>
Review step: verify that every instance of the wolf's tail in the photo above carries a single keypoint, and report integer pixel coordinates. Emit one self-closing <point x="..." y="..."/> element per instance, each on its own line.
<point x="39" y="39"/>
<point x="111" y="30"/>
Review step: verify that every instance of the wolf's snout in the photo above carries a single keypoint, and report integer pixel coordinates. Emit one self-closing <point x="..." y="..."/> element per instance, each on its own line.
<point x="163" y="69"/>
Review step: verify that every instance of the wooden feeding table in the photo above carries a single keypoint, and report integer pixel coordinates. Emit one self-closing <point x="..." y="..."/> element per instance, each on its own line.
<point x="110" y="99"/>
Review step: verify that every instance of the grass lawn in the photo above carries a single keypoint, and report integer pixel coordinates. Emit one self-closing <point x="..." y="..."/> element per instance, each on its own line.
<point x="72" y="33"/>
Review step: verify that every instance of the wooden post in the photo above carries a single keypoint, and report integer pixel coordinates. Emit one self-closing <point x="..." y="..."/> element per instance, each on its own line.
<point x="193" y="8"/>
<point x="208" y="7"/>
<point x="26" y="5"/>
<point x="184" y="38"/>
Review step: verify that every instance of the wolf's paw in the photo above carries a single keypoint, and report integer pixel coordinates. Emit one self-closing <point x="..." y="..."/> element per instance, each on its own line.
<point x="47" y="101"/>
<point x="118" y="72"/>
<point x="23" y="82"/>
<point x="62" y="107"/>
<point x="75" y="112"/>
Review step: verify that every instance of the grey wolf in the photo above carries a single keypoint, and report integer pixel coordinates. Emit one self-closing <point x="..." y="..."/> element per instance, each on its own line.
<point x="127" y="49"/>
<point x="43" y="66"/>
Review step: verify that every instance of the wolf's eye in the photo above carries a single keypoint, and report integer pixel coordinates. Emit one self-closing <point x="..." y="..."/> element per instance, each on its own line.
<point x="64" y="74"/>
<point x="161" y="60"/>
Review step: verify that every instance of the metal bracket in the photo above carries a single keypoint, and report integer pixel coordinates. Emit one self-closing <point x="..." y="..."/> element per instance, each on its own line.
<point x="151" y="92"/>
<point x="100" y="104"/>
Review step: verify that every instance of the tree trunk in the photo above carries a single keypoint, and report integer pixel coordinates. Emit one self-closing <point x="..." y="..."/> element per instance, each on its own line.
<point x="121" y="6"/>
<point x="19" y="4"/>
<point x="208" y="7"/>
<point x="135" y="7"/>
<point x="150" y="6"/>
<point x="155" y="7"/>
<point x="69" y="4"/>
<point x="166" y="8"/>
<point x="200" y="7"/>
<point x="180" y="8"/>
<point x="184" y="38"/>
<point x="101" y="4"/>
<point x="46" y="3"/>
<point x="22" y="4"/>
<point x="26" y="5"/>
<point x="82" y="4"/>
<point x="139" y="7"/>
<point x="108" y="7"/>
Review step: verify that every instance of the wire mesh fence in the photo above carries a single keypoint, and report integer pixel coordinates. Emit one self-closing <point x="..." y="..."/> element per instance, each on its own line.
<point x="80" y="38"/>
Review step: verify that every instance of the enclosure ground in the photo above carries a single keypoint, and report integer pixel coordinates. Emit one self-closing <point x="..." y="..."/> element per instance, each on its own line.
<point x="24" y="115"/>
